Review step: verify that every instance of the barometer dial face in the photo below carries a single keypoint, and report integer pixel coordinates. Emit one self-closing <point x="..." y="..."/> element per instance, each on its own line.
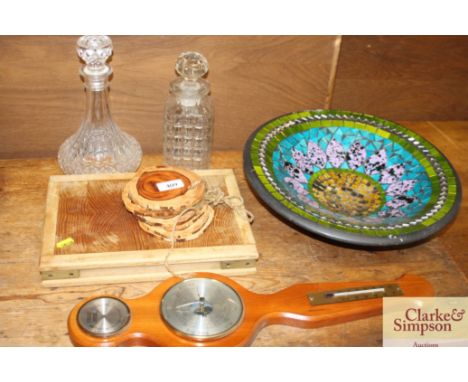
<point x="202" y="308"/>
<point x="103" y="316"/>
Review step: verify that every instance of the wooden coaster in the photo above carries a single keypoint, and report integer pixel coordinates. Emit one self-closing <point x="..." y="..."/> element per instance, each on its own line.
<point x="194" y="231"/>
<point x="196" y="222"/>
<point x="162" y="213"/>
<point x="147" y="184"/>
<point x="190" y="194"/>
<point x="158" y="195"/>
<point x="182" y="221"/>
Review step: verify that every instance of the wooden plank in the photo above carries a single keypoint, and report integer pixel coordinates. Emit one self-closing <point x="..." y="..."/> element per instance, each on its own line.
<point x="50" y="224"/>
<point x="403" y="77"/>
<point x="144" y="274"/>
<point x="149" y="257"/>
<point x="253" y="78"/>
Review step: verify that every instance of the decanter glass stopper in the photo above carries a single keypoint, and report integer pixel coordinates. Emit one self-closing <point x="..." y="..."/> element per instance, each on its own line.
<point x="98" y="145"/>
<point x="191" y="65"/>
<point x="94" y="51"/>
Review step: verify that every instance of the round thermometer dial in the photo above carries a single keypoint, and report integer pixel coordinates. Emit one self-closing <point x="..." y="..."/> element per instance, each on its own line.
<point x="202" y="308"/>
<point x="103" y="316"/>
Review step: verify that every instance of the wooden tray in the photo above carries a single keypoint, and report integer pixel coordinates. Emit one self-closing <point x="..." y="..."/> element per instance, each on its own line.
<point x="109" y="247"/>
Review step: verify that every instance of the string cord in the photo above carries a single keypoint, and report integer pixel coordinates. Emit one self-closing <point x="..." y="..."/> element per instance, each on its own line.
<point x="214" y="197"/>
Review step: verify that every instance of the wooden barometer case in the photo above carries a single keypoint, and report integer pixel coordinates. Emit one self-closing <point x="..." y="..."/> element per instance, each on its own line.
<point x="212" y="310"/>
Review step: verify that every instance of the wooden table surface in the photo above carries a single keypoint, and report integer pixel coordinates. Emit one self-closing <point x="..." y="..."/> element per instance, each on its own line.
<point x="31" y="315"/>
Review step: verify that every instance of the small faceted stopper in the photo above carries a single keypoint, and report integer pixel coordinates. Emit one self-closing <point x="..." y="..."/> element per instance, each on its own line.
<point x="95" y="51"/>
<point x="191" y="65"/>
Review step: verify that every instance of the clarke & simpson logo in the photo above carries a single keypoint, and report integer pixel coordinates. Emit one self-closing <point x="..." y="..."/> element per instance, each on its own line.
<point x="416" y="320"/>
<point x="422" y="322"/>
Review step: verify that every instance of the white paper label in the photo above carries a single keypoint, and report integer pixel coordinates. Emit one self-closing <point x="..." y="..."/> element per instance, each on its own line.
<point x="169" y="185"/>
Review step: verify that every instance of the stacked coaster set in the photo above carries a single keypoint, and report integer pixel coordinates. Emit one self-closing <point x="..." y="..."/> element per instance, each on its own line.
<point x="169" y="203"/>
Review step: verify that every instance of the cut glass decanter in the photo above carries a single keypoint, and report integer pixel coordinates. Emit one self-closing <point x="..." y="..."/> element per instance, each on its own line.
<point x="99" y="145"/>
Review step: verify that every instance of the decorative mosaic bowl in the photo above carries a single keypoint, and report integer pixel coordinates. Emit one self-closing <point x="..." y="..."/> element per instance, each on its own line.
<point x="352" y="177"/>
